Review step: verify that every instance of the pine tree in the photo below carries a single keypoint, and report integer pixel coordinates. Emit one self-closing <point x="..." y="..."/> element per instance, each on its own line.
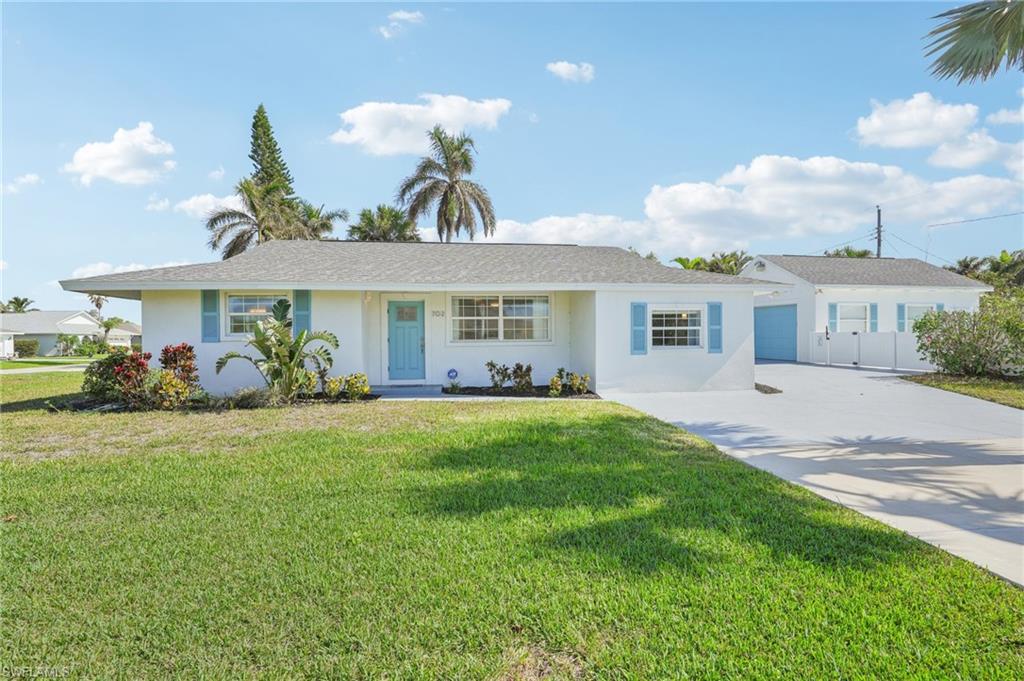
<point x="267" y="161"/>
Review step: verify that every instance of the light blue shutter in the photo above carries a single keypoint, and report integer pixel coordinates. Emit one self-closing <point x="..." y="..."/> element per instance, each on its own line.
<point x="939" y="307"/>
<point x="210" y="315"/>
<point x="714" y="327"/>
<point x="638" y="328"/>
<point x="302" y="303"/>
<point x="901" y="317"/>
<point x="833" y="317"/>
<point x="873" y="308"/>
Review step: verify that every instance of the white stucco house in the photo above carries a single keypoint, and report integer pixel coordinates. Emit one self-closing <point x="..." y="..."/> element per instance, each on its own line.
<point x="851" y="310"/>
<point x="429" y="313"/>
<point x="46" y="325"/>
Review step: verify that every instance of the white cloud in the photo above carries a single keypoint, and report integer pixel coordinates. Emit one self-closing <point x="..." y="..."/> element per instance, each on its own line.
<point x="397" y="22"/>
<point x="920" y="121"/>
<point x="774" y="197"/>
<point x="20" y="182"/>
<point x="217" y="174"/>
<point x="96" y="269"/>
<point x="969" y="151"/>
<point x="388" y="128"/>
<point x="135" y="156"/>
<point x="201" y="205"/>
<point x="156" y="204"/>
<point x="577" y="73"/>
<point x="1006" y="117"/>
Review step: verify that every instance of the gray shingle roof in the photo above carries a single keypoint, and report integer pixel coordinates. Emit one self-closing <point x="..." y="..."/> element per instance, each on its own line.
<point x="37" y="322"/>
<point x="831" y="271"/>
<point x="369" y="264"/>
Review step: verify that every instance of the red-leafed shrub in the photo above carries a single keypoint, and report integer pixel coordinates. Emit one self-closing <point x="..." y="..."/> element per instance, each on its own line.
<point x="130" y="376"/>
<point x="181" y="359"/>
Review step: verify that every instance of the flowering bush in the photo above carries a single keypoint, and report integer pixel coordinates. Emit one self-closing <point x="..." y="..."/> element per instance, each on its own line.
<point x="555" y="386"/>
<point x="130" y="376"/>
<point x="334" y="386"/>
<point x="357" y="386"/>
<point x="181" y="361"/>
<point x="987" y="342"/>
<point x="170" y="391"/>
<point x="579" y="383"/>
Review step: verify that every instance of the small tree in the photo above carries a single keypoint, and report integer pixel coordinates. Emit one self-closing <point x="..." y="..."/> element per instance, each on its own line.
<point x="109" y="325"/>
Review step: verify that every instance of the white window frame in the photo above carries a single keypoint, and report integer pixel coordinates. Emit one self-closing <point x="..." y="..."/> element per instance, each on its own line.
<point x="702" y="329"/>
<point x="226" y="309"/>
<point x="867" y="317"/>
<point x="500" y="340"/>
<point x="906" y="312"/>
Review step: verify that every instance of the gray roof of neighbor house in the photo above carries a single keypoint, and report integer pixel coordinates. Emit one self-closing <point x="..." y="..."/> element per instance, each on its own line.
<point x="373" y="265"/>
<point x="832" y="271"/>
<point x="36" y="322"/>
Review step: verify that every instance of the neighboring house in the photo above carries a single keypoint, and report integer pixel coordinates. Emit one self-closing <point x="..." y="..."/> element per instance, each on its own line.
<point x="46" y="325"/>
<point x="429" y="313"/>
<point x="862" y="297"/>
<point x="7" y="343"/>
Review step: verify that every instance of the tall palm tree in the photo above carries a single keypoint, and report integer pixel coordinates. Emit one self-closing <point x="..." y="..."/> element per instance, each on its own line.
<point x="317" y="222"/>
<point x="849" y="252"/>
<point x="728" y="262"/>
<point x="267" y="213"/>
<point x="441" y="179"/>
<point x="386" y="224"/>
<point x="968" y="266"/>
<point x="695" y="263"/>
<point x="1007" y="266"/>
<point x="98" y="302"/>
<point x="19" y="304"/>
<point x="974" y="40"/>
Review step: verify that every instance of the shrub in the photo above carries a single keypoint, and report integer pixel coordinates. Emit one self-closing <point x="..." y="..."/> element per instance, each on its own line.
<point x="579" y="384"/>
<point x="333" y="387"/>
<point x="170" y="391"/>
<point x="307" y="385"/>
<point x="91" y="348"/>
<point x="130" y="375"/>
<point x="522" y="377"/>
<point x="100" y="382"/>
<point x="357" y="386"/>
<point x="254" y="398"/>
<point x="454" y="387"/>
<point x="555" y="386"/>
<point x="987" y="342"/>
<point x="68" y="343"/>
<point x="500" y="374"/>
<point x="181" y="361"/>
<point x="26" y="347"/>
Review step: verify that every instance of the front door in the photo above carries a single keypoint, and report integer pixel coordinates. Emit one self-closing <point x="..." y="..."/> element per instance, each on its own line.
<point x="406" y="347"/>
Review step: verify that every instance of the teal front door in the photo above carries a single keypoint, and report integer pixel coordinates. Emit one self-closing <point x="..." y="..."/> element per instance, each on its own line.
<point x="406" y="345"/>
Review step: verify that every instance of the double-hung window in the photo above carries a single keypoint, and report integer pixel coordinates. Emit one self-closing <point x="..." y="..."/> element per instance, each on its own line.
<point x="853" y="317"/>
<point x="917" y="310"/>
<point x="501" y="318"/>
<point x="675" y="328"/>
<point x="244" y="311"/>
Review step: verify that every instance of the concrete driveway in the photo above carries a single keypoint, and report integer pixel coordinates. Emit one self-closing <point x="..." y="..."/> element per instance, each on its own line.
<point x="943" y="467"/>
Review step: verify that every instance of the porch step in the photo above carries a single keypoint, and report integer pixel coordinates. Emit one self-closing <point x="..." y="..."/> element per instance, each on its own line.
<point x="406" y="390"/>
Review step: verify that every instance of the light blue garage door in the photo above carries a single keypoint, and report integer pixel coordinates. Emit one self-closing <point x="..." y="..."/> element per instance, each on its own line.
<point x="775" y="332"/>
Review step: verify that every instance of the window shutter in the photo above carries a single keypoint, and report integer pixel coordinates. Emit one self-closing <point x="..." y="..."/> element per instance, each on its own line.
<point x="873" y="312"/>
<point x="302" y="303"/>
<point x="714" y="327"/>
<point x="210" y="315"/>
<point x="901" y="317"/>
<point x="833" y="317"/>
<point x="939" y="307"/>
<point x="638" y="329"/>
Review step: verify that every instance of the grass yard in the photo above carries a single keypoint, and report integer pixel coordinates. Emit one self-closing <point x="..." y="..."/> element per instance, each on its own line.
<point x="43" y="362"/>
<point x="1008" y="391"/>
<point x="454" y="540"/>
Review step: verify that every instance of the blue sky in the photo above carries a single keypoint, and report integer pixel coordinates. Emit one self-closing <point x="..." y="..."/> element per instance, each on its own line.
<point x="673" y="128"/>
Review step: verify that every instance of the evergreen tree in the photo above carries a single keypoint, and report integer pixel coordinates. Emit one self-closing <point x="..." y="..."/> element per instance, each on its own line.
<point x="267" y="161"/>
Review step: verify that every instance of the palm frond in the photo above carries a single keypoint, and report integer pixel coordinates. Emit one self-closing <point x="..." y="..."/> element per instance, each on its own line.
<point x="976" y="39"/>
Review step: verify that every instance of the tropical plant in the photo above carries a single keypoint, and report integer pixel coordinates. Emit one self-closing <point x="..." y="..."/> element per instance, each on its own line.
<point x="109" y="325"/>
<point x="849" y="252"/>
<point x="387" y="223"/>
<point x="170" y="391"/>
<point x="267" y="213"/>
<point x="968" y="266"/>
<point x="522" y="377"/>
<point x="98" y="302"/>
<point x="975" y="40"/>
<point x="281" y="358"/>
<point x="333" y="386"/>
<point x="500" y="374"/>
<point x="579" y="384"/>
<point x="99" y="380"/>
<point x="555" y="386"/>
<point x="68" y="343"/>
<point x="181" y="361"/>
<point x="267" y="161"/>
<point x="357" y="386"/>
<point x="19" y="304"/>
<point x="316" y="222"/>
<point x="986" y="341"/>
<point x="722" y="262"/>
<point x="1008" y="266"/>
<point x="696" y="263"/>
<point x="440" y="179"/>
<point x="130" y="377"/>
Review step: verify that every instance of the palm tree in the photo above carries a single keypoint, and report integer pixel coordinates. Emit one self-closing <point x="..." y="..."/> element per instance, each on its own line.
<point x="98" y="302"/>
<point x="440" y="178"/>
<point x="1007" y="266"/>
<point x="975" y="40"/>
<point x="849" y="252"/>
<point x="728" y="263"/>
<point x="317" y="222"/>
<point x="19" y="304"/>
<point x="968" y="266"/>
<point x="695" y="263"/>
<point x="109" y="325"/>
<point x="386" y="224"/>
<point x="267" y="213"/>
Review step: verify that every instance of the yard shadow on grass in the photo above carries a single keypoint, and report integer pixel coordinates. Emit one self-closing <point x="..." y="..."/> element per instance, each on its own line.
<point x="39" y="403"/>
<point x="646" y="495"/>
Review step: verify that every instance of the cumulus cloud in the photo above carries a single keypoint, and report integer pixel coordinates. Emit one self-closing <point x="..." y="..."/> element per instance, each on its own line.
<point x="969" y="151"/>
<point x="388" y="128"/>
<point x="217" y="174"/>
<point x="20" y="182"/>
<point x="201" y="205"/>
<point x="135" y="156"/>
<point x="921" y="121"/>
<point x="398" y="21"/>
<point x="156" y="204"/>
<point x="1007" y="116"/>
<point x="96" y="269"/>
<point x="577" y="73"/>
<point x="774" y="197"/>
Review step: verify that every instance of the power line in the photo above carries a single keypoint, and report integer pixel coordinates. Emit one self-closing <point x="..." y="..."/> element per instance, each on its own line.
<point x="891" y="245"/>
<point x="960" y="222"/>
<point x="869" y="235"/>
<point x="919" y="248"/>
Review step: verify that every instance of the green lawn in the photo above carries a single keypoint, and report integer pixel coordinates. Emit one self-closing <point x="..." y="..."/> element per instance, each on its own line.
<point x="1008" y="391"/>
<point x="43" y="362"/>
<point x="454" y="540"/>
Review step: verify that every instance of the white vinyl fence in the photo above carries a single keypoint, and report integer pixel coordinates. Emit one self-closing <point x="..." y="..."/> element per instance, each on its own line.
<point x="885" y="350"/>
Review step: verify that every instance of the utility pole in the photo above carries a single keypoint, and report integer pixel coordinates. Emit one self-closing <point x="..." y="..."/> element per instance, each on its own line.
<point x="878" y="232"/>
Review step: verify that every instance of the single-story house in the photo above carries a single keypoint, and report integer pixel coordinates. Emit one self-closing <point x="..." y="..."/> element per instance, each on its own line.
<point x="430" y="313"/>
<point x="7" y="343"/>
<point x="46" y="325"/>
<point x="846" y="306"/>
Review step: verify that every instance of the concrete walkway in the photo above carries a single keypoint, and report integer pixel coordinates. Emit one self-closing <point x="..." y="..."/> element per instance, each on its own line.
<point x="943" y="467"/>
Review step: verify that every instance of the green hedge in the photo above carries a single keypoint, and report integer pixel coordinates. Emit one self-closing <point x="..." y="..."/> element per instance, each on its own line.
<point x="26" y="347"/>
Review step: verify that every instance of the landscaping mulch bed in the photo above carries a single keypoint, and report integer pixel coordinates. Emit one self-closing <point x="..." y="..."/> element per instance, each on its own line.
<point x="538" y="391"/>
<point x="102" y="406"/>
